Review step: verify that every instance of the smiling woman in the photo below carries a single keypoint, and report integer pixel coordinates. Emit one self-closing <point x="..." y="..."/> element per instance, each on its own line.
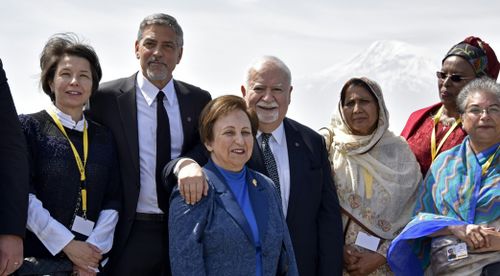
<point x="479" y="104"/>
<point x="74" y="184"/>
<point x="239" y="227"/>
<point x="458" y="203"/>
<point x="72" y="85"/>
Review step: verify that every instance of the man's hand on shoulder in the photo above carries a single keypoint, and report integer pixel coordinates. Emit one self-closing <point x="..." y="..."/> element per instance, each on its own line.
<point x="191" y="180"/>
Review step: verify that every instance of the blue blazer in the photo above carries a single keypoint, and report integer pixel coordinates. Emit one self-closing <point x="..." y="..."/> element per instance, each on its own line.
<point x="213" y="236"/>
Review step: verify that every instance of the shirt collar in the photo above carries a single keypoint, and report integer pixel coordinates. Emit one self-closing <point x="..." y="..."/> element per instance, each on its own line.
<point x="278" y="134"/>
<point x="149" y="90"/>
<point x="66" y="119"/>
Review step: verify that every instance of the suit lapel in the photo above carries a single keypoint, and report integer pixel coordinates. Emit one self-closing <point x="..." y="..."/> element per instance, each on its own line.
<point x="225" y="197"/>
<point x="127" y="107"/>
<point x="296" y="152"/>
<point x="187" y="112"/>
<point x="295" y="147"/>
<point x="256" y="162"/>
<point x="259" y="200"/>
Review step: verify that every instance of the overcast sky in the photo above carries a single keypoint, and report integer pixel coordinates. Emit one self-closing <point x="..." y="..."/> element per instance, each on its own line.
<point x="223" y="36"/>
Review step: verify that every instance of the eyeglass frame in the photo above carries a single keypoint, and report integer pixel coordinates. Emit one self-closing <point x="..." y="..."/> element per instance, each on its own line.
<point x="453" y="77"/>
<point x="484" y="110"/>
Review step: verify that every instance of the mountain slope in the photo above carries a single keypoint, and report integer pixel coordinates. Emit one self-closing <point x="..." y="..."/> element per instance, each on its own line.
<point x="405" y="72"/>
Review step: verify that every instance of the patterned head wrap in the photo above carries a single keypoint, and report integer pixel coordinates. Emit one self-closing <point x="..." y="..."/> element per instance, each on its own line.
<point x="479" y="54"/>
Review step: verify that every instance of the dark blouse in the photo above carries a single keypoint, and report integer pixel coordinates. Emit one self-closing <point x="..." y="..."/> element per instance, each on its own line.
<point x="55" y="178"/>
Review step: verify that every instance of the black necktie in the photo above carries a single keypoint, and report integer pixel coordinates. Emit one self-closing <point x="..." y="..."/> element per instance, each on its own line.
<point x="162" y="148"/>
<point x="270" y="162"/>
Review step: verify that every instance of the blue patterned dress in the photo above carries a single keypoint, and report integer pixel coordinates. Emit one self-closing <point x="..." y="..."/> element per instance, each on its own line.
<point x="455" y="192"/>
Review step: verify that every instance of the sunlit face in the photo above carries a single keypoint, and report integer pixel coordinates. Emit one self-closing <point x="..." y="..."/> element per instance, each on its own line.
<point x="268" y="93"/>
<point x="72" y="83"/>
<point x="158" y="54"/>
<point x="483" y="127"/>
<point x="232" y="141"/>
<point x="449" y="90"/>
<point x="360" y="110"/>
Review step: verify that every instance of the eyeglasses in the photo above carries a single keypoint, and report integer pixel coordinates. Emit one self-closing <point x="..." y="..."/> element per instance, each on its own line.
<point x="453" y="77"/>
<point x="476" y="111"/>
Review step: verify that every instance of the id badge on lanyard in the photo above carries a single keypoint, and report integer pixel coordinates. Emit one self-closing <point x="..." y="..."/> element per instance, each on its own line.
<point x="81" y="224"/>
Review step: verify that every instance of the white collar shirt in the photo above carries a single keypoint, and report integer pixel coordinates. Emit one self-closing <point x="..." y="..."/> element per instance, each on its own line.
<point x="146" y="94"/>
<point x="66" y="119"/>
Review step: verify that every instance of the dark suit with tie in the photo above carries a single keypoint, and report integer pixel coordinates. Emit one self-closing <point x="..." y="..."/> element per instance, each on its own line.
<point x="13" y="166"/>
<point x="114" y="105"/>
<point x="313" y="215"/>
<point x="213" y="237"/>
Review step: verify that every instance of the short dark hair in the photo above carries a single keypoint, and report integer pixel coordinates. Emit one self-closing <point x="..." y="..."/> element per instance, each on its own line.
<point x="57" y="47"/>
<point x="162" y="20"/>
<point x="219" y="107"/>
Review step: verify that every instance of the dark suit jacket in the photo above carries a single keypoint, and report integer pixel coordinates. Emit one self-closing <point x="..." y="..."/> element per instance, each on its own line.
<point x="14" y="170"/>
<point x="114" y="105"/>
<point x="313" y="216"/>
<point x="213" y="237"/>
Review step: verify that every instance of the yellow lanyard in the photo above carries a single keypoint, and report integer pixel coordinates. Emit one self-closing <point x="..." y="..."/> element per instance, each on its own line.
<point x="81" y="165"/>
<point x="434" y="150"/>
<point x="487" y="165"/>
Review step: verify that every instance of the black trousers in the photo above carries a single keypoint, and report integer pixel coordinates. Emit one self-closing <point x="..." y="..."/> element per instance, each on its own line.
<point x="146" y="251"/>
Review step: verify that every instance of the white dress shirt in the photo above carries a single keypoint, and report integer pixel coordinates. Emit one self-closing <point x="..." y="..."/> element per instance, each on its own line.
<point x="278" y="145"/>
<point x="55" y="236"/>
<point x="146" y="120"/>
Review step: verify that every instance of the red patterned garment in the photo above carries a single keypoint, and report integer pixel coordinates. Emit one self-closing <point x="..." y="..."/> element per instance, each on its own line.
<point x="418" y="131"/>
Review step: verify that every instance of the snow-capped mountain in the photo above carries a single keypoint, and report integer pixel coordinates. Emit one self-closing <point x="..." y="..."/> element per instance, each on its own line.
<point x="406" y="74"/>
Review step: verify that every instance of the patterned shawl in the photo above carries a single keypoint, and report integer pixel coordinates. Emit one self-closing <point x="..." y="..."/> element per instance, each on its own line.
<point x="376" y="175"/>
<point x="455" y="192"/>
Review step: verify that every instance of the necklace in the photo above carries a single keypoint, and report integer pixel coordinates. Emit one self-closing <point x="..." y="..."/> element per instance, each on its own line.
<point x="437" y="118"/>
<point x="447" y="121"/>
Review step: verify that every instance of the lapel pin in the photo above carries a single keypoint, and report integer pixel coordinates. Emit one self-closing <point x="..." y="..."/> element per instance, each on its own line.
<point x="297" y="144"/>
<point x="188" y="119"/>
<point x="254" y="182"/>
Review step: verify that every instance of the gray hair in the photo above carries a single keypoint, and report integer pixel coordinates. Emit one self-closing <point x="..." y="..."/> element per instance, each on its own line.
<point x="478" y="85"/>
<point x="268" y="60"/>
<point x="163" y="20"/>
